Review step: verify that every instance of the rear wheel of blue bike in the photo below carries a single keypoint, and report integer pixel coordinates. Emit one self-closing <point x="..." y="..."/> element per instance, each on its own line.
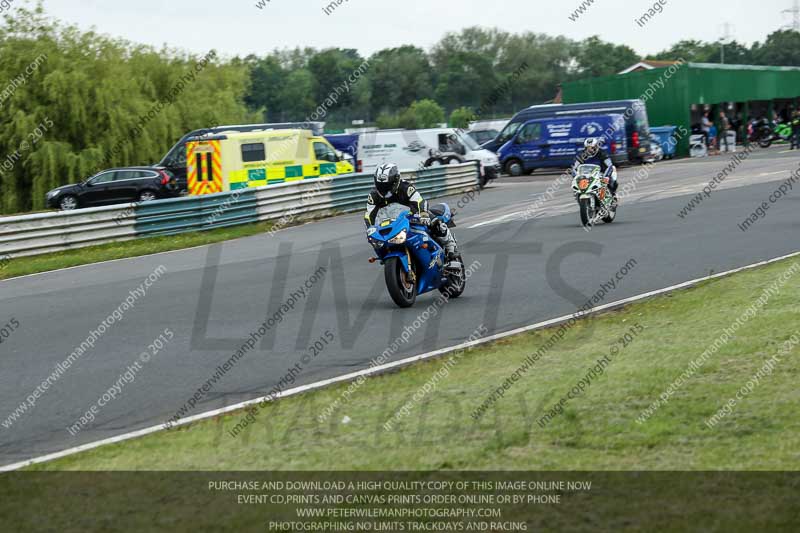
<point x="401" y="285"/>
<point x="457" y="281"/>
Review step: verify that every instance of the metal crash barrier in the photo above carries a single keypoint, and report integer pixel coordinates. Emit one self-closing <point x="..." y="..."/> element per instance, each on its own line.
<point x="41" y="233"/>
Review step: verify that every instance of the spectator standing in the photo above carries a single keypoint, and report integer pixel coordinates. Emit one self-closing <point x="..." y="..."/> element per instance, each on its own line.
<point x="705" y="125"/>
<point x="724" y="127"/>
<point x="795" y="130"/>
<point x="738" y="126"/>
<point x="712" y="137"/>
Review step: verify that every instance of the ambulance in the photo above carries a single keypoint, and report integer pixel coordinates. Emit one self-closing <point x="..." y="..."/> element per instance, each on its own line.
<point x="233" y="160"/>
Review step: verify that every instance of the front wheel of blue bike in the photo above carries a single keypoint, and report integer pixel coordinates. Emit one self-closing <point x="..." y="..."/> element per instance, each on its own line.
<point x="400" y="284"/>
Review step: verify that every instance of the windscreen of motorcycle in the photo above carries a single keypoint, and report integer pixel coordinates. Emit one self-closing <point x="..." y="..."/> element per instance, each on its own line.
<point x="588" y="170"/>
<point x="390" y="213"/>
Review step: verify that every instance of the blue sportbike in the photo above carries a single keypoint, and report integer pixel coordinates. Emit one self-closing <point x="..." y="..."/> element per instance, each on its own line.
<point x="413" y="262"/>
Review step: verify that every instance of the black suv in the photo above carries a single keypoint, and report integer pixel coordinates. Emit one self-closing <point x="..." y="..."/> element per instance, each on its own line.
<point x="116" y="186"/>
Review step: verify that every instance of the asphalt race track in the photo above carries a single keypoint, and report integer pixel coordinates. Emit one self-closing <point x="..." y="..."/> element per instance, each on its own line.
<point x="213" y="298"/>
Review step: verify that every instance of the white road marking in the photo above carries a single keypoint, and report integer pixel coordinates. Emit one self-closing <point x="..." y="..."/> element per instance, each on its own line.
<point x="372" y="371"/>
<point x="763" y="174"/>
<point x="498" y="219"/>
<point x="552" y="209"/>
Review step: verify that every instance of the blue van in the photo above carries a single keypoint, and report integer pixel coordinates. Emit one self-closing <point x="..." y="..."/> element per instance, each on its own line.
<point x="556" y="142"/>
<point x="637" y="125"/>
<point x="347" y="143"/>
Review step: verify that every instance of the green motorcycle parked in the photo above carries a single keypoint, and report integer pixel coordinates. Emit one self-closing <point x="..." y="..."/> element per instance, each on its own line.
<point x="595" y="200"/>
<point x="783" y="131"/>
<point x="765" y="134"/>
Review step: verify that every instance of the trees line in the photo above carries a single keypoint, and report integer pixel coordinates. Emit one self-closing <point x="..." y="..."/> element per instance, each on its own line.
<point x="115" y="103"/>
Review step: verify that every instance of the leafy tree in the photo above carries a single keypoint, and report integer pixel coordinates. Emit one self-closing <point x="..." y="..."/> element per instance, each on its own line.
<point x="461" y="117"/>
<point x="465" y="64"/>
<point x="295" y="58"/>
<point x="362" y="98"/>
<point x="398" y="77"/>
<point x="735" y="53"/>
<point x="296" y="100"/>
<point x="691" y="51"/>
<point x="331" y="69"/>
<point x="387" y="121"/>
<point x="267" y="80"/>
<point x="782" y="48"/>
<point x="703" y="52"/>
<point x="93" y="102"/>
<point x="530" y="68"/>
<point x="422" y="114"/>
<point x="597" y="58"/>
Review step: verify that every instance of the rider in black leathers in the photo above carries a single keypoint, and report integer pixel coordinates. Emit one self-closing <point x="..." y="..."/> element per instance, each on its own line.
<point x="391" y="188"/>
<point x="593" y="152"/>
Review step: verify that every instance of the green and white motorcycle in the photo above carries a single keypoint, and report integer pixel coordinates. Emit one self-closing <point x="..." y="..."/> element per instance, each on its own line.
<point x="595" y="200"/>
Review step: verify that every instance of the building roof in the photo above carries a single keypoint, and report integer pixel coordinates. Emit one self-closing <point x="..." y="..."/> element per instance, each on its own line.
<point x="719" y="66"/>
<point x="648" y="64"/>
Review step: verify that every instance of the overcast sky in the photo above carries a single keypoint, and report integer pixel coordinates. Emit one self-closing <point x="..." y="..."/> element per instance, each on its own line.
<point x="238" y="27"/>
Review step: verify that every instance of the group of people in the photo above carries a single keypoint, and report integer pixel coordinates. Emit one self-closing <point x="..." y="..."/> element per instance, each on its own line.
<point x="716" y="134"/>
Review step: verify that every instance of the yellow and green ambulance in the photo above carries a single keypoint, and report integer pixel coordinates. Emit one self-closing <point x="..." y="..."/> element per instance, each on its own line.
<point x="236" y="160"/>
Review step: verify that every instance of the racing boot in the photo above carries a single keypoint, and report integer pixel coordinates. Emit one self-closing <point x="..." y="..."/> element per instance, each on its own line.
<point x="451" y="249"/>
<point x="612" y="187"/>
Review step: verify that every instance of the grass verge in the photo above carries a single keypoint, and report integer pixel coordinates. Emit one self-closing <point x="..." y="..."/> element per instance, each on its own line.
<point x="23" y="266"/>
<point x="598" y="429"/>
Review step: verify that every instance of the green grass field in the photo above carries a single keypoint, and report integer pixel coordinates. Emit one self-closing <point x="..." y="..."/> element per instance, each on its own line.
<point x="598" y="429"/>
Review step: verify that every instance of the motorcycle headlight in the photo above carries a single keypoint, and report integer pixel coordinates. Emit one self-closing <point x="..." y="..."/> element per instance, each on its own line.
<point x="52" y="194"/>
<point x="400" y="238"/>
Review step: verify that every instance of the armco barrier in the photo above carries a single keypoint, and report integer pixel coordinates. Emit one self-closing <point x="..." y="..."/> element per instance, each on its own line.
<point x="50" y="232"/>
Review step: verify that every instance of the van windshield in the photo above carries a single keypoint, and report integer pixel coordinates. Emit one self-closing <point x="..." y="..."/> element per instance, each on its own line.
<point x="482" y="136"/>
<point x="468" y="141"/>
<point x="176" y="157"/>
<point x="508" y="132"/>
<point x="641" y="123"/>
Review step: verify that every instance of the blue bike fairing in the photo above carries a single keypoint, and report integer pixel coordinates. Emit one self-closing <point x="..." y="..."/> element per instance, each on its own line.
<point x="426" y="253"/>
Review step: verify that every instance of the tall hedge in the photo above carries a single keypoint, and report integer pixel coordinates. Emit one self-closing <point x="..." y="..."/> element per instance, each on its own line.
<point x="73" y="103"/>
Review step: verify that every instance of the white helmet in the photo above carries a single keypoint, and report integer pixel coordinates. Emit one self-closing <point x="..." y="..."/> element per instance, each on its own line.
<point x="592" y="143"/>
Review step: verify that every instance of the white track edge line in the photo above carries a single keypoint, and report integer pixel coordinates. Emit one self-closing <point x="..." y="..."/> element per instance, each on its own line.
<point x="382" y="368"/>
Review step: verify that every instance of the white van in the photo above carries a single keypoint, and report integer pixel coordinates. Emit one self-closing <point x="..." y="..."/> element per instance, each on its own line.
<point x="415" y="149"/>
